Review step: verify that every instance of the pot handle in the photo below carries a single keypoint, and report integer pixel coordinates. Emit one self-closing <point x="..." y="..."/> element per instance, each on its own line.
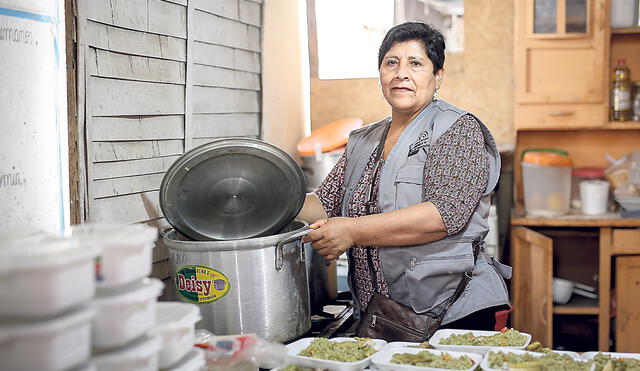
<point x="287" y="240"/>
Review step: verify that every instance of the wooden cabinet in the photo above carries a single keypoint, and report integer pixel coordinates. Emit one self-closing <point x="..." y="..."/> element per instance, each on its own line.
<point x="535" y="263"/>
<point x="628" y="303"/>
<point x="532" y="283"/>
<point x="565" y="51"/>
<point x="560" y="59"/>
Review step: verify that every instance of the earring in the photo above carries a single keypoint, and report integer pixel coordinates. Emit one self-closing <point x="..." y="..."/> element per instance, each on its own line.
<point x="435" y="95"/>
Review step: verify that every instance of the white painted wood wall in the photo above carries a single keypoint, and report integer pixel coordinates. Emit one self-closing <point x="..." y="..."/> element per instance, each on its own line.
<point x="157" y="78"/>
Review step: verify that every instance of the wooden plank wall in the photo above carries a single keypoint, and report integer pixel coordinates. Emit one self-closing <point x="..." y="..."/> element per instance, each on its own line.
<point x="153" y="86"/>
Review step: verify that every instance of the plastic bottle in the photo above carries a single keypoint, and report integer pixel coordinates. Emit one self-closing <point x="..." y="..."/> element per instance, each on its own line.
<point x="621" y="93"/>
<point x="636" y="102"/>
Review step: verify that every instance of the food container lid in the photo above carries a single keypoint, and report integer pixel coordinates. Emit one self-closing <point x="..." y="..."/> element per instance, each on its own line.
<point x="232" y="188"/>
<point x="47" y="252"/>
<point x="547" y="157"/>
<point x="113" y="236"/>
<point x="588" y="172"/>
<point x="172" y="315"/>
<point x="329" y="137"/>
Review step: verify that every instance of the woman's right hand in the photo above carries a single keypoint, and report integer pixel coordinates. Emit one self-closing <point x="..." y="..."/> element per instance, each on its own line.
<point x="331" y="237"/>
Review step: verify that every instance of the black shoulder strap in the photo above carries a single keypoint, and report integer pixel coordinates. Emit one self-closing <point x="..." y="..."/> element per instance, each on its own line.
<point x="466" y="278"/>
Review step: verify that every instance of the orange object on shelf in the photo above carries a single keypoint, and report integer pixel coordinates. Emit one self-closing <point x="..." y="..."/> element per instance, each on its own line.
<point x="547" y="158"/>
<point x="329" y="137"/>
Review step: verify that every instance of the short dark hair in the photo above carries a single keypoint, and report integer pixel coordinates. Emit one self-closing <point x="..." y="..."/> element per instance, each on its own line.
<point x="431" y="38"/>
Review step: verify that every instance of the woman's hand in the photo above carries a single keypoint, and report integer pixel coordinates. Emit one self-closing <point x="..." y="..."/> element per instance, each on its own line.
<point x="332" y="237"/>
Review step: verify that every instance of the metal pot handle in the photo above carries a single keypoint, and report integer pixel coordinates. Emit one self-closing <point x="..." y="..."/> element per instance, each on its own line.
<point x="280" y="245"/>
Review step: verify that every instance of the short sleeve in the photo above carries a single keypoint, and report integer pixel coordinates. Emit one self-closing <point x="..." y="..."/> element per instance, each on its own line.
<point x="330" y="191"/>
<point x="456" y="172"/>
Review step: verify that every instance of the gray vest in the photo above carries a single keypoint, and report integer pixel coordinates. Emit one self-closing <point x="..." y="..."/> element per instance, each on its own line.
<point x="423" y="276"/>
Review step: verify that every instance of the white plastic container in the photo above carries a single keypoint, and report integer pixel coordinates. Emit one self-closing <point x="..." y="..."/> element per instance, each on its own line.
<point x="594" y="196"/>
<point x="382" y="359"/>
<point x="547" y="189"/>
<point x="45" y="277"/>
<point x="125" y="315"/>
<point x="60" y="343"/>
<point x="193" y="361"/>
<point x="297" y="346"/>
<point x="141" y="355"/>
<point x="445" y="333"/>
<point x="175" y="324"/>
<point x="623" y="13"/>
<point x="126" y="251"/>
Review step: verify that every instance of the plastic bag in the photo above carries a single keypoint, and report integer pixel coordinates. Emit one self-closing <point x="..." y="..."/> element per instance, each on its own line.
<point x="624" y="174"/>
<point x="239" y="352"/>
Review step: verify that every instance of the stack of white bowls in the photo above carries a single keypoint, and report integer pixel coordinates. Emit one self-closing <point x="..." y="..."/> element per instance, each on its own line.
<point x="46" y="285"/>
<point x="123" y="334"/>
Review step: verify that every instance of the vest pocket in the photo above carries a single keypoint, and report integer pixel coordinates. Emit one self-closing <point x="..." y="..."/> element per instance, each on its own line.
<point x="409" y="185"/>
<point x="431" y="280"/>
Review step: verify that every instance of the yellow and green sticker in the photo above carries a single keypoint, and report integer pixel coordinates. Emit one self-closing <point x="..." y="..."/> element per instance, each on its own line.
<point x="200" y="285"/>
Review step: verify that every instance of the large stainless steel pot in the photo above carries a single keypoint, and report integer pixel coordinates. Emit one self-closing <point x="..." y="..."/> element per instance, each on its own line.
<point x="257" y="285"/>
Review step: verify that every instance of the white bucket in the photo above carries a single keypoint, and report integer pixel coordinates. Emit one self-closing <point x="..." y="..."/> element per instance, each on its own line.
<point x="56" y="344"/>
<point x="126" y="251"/>
<point x="141" y="355"/>
<point x="175" y="324"/>
<point x="193" y="361"/>
<point x="44" y="277"/>
<point x="125" y="315"/>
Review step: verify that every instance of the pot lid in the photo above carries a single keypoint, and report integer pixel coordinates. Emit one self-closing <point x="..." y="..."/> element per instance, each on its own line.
<point x="231" y="189"/>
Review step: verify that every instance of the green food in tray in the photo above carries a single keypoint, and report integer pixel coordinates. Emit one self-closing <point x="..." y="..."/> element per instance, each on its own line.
<point x="296" y="368"/>
<point x="345" y="351"/>
<point x="423" y="345"/>
<point x="427" y="359"/>
<point x="509" y="338"/>
<point x="605" y="362"/>
<point x="547" y="361"/>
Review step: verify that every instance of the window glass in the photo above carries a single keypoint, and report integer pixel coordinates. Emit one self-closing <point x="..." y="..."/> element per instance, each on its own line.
<point x="544" y="16"/>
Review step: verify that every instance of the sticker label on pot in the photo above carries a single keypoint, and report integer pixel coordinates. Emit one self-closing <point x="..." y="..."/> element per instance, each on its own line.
<point x="200" y="285"/>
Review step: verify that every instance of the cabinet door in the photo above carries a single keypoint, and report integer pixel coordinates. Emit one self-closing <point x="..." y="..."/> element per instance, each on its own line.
<point x="532" y="284"/>
<point x="628" y="304"/>
<point x="560" y="60"/>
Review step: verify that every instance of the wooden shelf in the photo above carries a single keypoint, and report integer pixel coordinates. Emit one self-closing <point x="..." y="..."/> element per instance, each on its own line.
<point x="578" y="305"/>
<point x="610" y="125"/>
<point x="625" y="31"/>
<point x="573" y="219"/>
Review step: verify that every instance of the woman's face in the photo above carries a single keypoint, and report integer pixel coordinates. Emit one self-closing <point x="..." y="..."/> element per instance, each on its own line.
<point x="406" y="77"/>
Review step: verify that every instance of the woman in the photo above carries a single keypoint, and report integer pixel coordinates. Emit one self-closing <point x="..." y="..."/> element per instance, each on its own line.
<point x="410" y="194"/>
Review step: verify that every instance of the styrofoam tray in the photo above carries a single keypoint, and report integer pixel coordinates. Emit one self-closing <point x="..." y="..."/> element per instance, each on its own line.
<point x="406" y="344"/>
<point x="382" y="359"/>
<point x="444" y="333"/>
<point x="297" y="346"/>
<point x="485" y="360"/>
<point x="589" y="355"/>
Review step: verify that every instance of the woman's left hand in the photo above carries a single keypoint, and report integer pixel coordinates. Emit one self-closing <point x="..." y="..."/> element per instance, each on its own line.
<point x="331" y="237"/>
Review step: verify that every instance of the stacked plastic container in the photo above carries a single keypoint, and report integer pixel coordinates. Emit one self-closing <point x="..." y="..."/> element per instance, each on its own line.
<point x="123" y="335"/>
<point x="546" y="175"/>
<point x="176" y="324"/>
<point x="46" y="285"/>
